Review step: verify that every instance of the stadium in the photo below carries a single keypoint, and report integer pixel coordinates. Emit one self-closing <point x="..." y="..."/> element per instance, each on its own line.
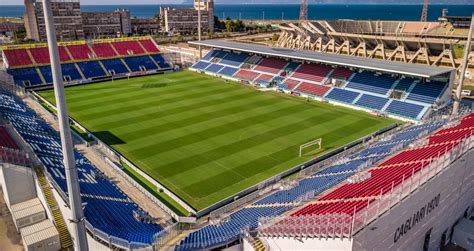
<point x="252" y="147"/>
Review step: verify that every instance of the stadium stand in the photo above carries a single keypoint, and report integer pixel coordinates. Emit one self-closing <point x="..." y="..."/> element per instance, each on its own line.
<point x="103" y="50"/>
<point x="342" y="73"/>
<point x="312" y="72"/>
<point x="63" y="55"/>
<point x="149" y="46"/>
<point x="313" y="89"/>
<point x="80" y="52"/>
<point x="40" y="54"/>
<point x="91" y="69"/>
<point x="404" y="109"/>
<point x="25" y="76"/>
<point x="140" y="63"/>
<point x="281" y="201"/>
<point x="364" y="90"/>
<point x="349" y="198"/>
<point x="271" y="65"/>
<point x="70" y="71"/>
<point x="85" y="57"/>
<point x="114" y="65"/>
<point x="228" y="71"/>
<point x="427" y="92"/>
<point x="106" y="207"/>
<point x="6" y="140"/>
<point x="126" y="48"/>
<point x="246" y="75"/>
<point x="18" y="57"/>
<point x="404" y="84"/>
<point x="234" y="59"/>
<point x="160" y="60"/>
<point x="200" y="65"/>
<point x="367" y="81"/>
<point x="345" y="96"/>
<point x="372" y="102"/>
<point x="215" y="68"/>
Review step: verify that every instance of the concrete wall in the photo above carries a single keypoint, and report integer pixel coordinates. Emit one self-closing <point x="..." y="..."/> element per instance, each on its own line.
<point x="455" y="187"/>
<point x="308" y="244"/>
<point x="18" y="183"/>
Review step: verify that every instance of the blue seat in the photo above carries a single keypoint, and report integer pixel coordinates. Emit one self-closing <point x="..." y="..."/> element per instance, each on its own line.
<point x="427" y="92"/>
<point x="200" y="65"/>
<point x="134" y="63"/>
<point x="345" y="96"/>
<point x="71" y="71"/>
<point x="160" y="60"/>
<point x="404" y="109"/>
<point x="25" y="76"/>
<point x="234" y="59"/>
<point x="114" y="64"/>
<point x="106" y="207"/>
<point x="215" y="68"/>
<point x="372" y="102"/>
<point x="404" y="84"/>
<point x="228" y="71"/>
<point x="367" y="81"/>
<point x="91" y="69"/>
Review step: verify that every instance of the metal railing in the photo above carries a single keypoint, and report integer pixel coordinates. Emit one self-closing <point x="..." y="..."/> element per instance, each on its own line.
<point x="343" y="225"/>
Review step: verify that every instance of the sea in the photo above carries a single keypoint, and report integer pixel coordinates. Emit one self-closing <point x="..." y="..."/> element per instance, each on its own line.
<point x="285" y="11"/>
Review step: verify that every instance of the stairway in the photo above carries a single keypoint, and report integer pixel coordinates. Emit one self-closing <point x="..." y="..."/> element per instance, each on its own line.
<point x="257" y="245"/>
<point x="64" y="236"/>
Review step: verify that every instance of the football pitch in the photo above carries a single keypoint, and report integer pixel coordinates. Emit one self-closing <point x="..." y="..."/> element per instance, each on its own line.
<point x="205" y="138"/>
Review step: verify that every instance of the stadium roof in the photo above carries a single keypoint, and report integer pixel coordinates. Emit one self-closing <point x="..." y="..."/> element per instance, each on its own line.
<point x="416" y="70"/>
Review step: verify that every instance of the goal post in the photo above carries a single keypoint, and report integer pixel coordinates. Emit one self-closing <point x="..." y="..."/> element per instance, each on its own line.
<point x="309" y="144"/>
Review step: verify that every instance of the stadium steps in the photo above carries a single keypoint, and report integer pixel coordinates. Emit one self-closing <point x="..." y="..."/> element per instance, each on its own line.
<point x="357" y="98"/>
<point x="143" y="48"/>
<point x="66" y="49"/>
<point x="40" y="75"/>
<point x="124" y="63"/>
<point x="153" y="60"/>
<point x="258" y="245"/>
<point x="410" y="89"/>
<point x="115" y="50"/>
<point x="31" y="56"/>
<point x="64" y="235"/>
<point x="103" y="68"/>
<point x="386" y="105"/>
<point x="80" y="71"/>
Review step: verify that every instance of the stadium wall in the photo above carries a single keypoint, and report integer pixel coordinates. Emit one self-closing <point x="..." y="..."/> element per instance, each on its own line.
<point x="433" y="208"/>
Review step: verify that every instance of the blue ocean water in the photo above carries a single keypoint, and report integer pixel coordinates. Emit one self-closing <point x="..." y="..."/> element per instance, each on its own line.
<point x="289" y="11"/>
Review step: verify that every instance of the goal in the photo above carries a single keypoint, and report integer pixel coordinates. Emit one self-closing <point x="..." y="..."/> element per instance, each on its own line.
<point x="309" y="144"/>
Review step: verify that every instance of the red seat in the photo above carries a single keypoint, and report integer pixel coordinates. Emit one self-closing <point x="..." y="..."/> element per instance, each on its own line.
<point x="271" y="65"/>
<point x="312" y="72"/>
<point x="128" y="48"/>
<point x="103" y="50"/>
<point x="149" y="46"/>
<point x="17" y="57"/>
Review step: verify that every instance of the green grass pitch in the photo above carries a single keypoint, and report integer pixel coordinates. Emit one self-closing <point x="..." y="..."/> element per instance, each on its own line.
<point x="206" y="138"/>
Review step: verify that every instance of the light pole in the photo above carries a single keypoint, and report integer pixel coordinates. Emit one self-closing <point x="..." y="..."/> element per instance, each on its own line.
<point x="199" y="28"/>
<point x="465" y="62"/>
<point x="75" y="203"/>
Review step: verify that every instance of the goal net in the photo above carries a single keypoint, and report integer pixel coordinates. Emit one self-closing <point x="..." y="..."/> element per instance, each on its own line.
<point x="310" y="144"/>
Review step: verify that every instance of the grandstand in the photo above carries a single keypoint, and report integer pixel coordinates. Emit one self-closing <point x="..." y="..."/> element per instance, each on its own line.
<point x="223" y="156"/>
<point x="395" y="89"/>
<point x="83" y="61"/>
<point x="110" y="214"/>
<point x="333" y="202"/>
<point x="430" y="43"/>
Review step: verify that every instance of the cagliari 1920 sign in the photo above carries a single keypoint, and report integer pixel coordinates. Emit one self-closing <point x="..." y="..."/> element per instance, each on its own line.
<point x="415" y="218"/>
